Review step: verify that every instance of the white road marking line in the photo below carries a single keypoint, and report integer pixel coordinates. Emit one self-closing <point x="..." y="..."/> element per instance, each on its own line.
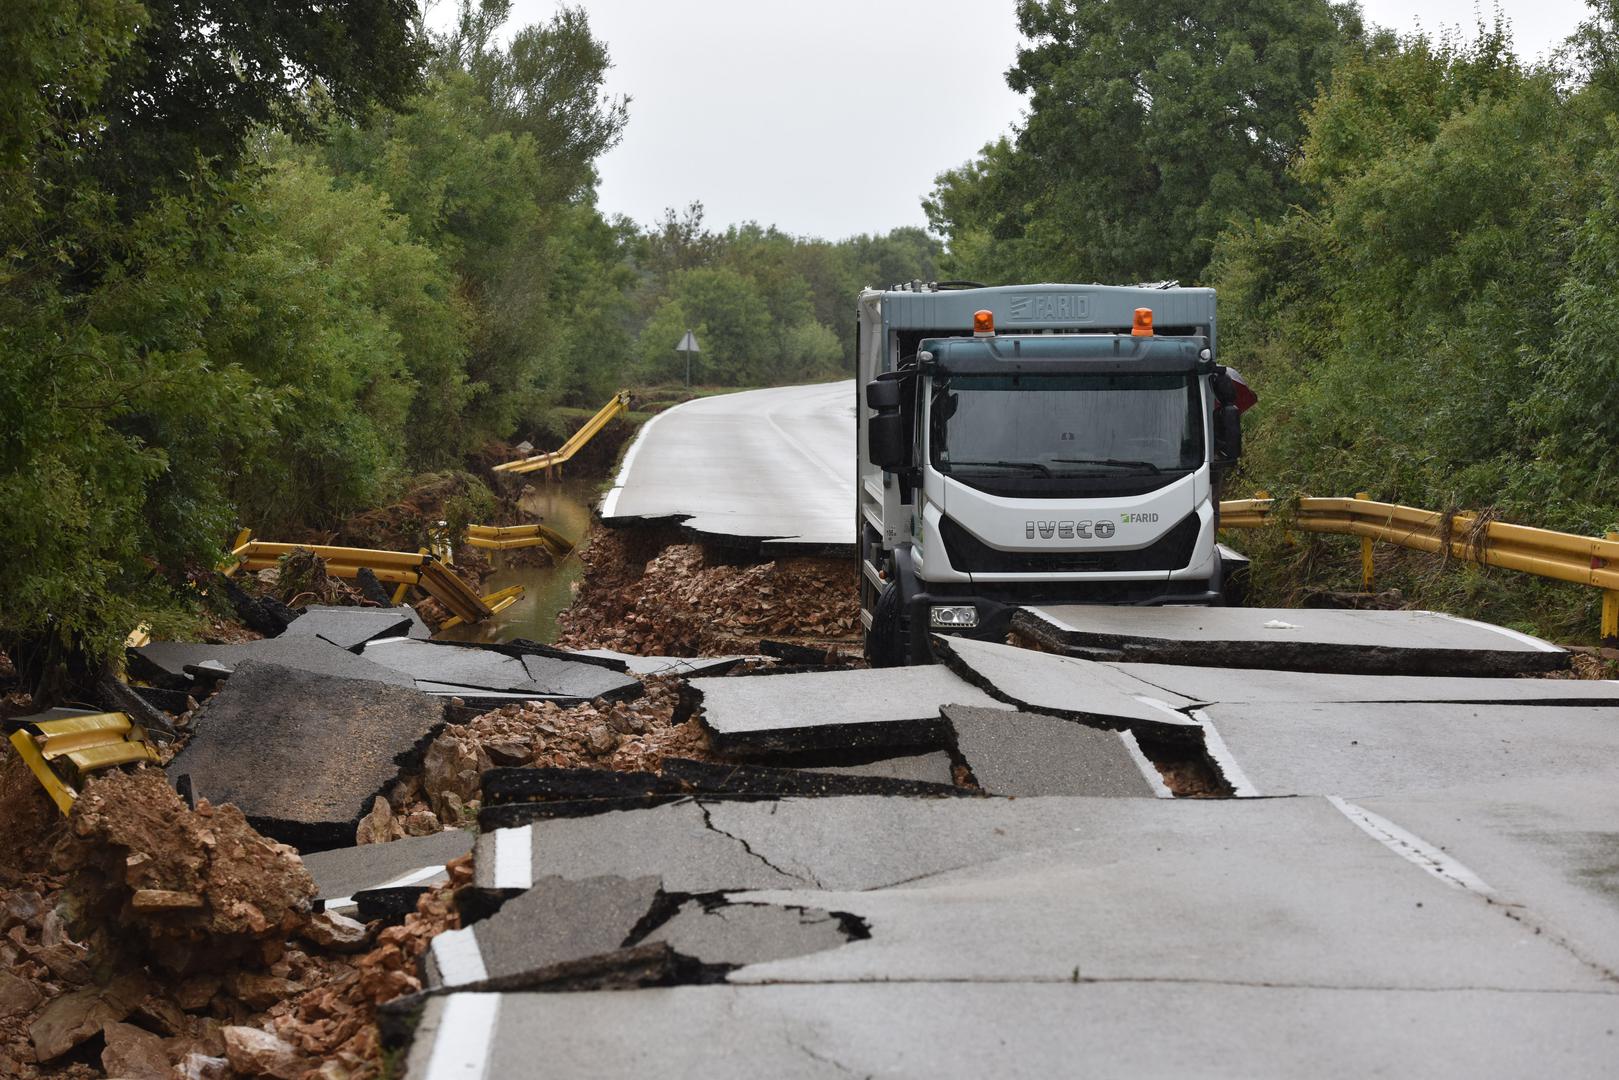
<point x="460" y="961"/>
<point x="804" y="451"/>
<point x="514" y="858"/>
<point x="465" y="1035"/>
<point x="397" y="883"/>
<point x="610" y="500"/>
<point x="1543" y="646"/>
<point x="1149" y="771"/>
<point x="1412" y="848"/>
<point x="1221" y="753"/>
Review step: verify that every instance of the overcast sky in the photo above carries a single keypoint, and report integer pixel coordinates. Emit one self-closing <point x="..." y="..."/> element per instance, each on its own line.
<point x="832" y="118"/>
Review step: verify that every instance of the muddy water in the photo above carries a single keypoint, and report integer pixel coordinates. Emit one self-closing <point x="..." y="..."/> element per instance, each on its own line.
<point x="547" y="589"/>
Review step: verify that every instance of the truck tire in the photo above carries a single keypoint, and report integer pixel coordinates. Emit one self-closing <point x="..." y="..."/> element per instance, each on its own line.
<point x="887" y="640"/>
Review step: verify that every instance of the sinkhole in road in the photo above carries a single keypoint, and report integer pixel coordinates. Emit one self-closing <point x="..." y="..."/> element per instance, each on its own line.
<point x="1186" y="767"/>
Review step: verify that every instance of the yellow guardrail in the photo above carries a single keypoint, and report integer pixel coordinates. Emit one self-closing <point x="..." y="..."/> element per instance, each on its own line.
<point x="576" y="442"/>
<point x="1583" y="560"/>
<point x="422" y="569"/>
<point x="83" y="745"/>
<point x="507" y="537"/>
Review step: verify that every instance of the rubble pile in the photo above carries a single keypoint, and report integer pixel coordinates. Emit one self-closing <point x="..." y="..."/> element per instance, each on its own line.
<point x="169" y="942"/>
<point x="334" y="1026"/>
<point x="678" y="603"/>
<point x="624" y="736"/>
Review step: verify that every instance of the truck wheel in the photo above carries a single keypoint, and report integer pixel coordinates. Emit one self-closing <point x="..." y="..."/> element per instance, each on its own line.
<point x="886" y="640"/>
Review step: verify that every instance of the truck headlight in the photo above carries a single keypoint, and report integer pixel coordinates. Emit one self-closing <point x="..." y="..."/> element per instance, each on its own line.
<point x="953" y="616"/>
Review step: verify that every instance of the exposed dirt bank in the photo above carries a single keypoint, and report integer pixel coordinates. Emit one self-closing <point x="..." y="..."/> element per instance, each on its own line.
<point x="647" y="590"/>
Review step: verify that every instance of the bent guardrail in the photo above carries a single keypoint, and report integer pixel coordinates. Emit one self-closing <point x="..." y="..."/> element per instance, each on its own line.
<point x="576" y="442"/>
<point x="422" y="569"/>
<point x="509" y="537"/>
<point x="1583" y="560"/>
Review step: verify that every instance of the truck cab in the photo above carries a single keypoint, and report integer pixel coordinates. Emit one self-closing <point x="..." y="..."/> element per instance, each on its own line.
<point x="1036" y="444"/>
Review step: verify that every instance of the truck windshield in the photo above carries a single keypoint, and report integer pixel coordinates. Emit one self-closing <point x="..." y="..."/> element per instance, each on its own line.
<point x="1066" y="425"/>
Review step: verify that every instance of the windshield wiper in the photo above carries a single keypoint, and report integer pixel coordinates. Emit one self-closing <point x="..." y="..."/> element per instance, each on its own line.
<point x="1035" y="465"/>
<point x="1147" y="465"/>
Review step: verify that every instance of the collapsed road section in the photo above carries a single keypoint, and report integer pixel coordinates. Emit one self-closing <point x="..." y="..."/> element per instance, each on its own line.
<point x="771" y="859"/>
<point x="813" y="932"/>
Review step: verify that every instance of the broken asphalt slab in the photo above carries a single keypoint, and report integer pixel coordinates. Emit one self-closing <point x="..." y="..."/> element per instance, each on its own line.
<point x="1268" y="904"/>
<point x="832" y="709"/>
<point x="1330" y="640"/>
<point x="1272" y="892"/>
<point x="339" y="873"/>
<point x="1065" y="687"/>
<point x="843" y="842"/>
<point x="350" y="627"/>
<point x="932" y="767"/>
<point x="968" y="1030"/>
<point x="556" y="922"/>
<point x="519" y="796"/>
<point x="450" y="668"/>
<point x="1026" y="754"/>
<point x="669" y="665"/>
<point x="303" y="754"/>
<point x="1403" y="748"/>
<point x="1211" y="684"/>
<point x="165" y="662"/>
<point x="729" y="935"/>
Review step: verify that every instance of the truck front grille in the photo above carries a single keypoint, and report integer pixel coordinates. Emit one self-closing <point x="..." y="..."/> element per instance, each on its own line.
<point x="1172" y="551"/>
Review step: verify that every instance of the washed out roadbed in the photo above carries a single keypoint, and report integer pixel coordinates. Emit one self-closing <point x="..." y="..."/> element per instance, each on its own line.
<point x="143" y="938"/>
<point x="648" y="590"/>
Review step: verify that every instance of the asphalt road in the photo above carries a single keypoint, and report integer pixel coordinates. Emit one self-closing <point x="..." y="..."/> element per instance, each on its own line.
<point x="771" y="468"/>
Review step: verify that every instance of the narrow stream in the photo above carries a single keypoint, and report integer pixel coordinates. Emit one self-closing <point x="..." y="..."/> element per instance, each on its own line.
<point x="547" y="589"/>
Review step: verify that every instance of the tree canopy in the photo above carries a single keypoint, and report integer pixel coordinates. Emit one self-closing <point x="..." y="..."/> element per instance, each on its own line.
<point x="1152" y="125"/>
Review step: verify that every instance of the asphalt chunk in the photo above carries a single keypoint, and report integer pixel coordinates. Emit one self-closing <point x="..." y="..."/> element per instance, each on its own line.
<point x="350" y="627"/>
<point x="1330" y="640"/>
<point x="555" y="922"/>
<point x="165" y="662"/>
<point x="1063" y="686"/>
<point x="734" y="935"/>
<point x="832" y="709"/>
<point x="303" y="754"/>
<point x="1024" y="754"/>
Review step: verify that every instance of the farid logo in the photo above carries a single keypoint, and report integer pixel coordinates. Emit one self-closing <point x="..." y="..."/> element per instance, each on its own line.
<point x="1049" y="307"/>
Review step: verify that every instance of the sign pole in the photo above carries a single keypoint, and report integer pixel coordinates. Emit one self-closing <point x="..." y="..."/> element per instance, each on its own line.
<point x="688" y="345"/>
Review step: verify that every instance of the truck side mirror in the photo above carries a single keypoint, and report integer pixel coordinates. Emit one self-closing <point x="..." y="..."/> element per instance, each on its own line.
<point x="883" y="394"/>
<point x="1228" y="433"/>
<point x="888" y="437"/>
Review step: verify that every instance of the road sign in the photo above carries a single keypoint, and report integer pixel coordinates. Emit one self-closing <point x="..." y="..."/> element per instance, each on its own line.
<point x="688" y="345"/>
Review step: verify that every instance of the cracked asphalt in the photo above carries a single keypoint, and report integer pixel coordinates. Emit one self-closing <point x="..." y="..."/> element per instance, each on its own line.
<point x="1403" y="875"/>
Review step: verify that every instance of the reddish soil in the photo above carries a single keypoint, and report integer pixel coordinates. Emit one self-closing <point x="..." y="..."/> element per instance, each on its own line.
<point x="647" y="595"/>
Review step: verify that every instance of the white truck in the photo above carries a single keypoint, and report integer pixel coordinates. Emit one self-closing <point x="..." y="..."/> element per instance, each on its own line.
<point x="1036" y="444"/>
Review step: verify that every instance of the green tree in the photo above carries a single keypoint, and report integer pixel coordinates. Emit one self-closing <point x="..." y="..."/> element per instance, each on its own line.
<point x="1152" y="125"/>
<point x="733" y="329"/>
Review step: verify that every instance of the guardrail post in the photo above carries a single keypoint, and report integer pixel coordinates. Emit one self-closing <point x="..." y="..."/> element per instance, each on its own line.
<point x="1365" y="553"/>
<point x="1610" y="610"/>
